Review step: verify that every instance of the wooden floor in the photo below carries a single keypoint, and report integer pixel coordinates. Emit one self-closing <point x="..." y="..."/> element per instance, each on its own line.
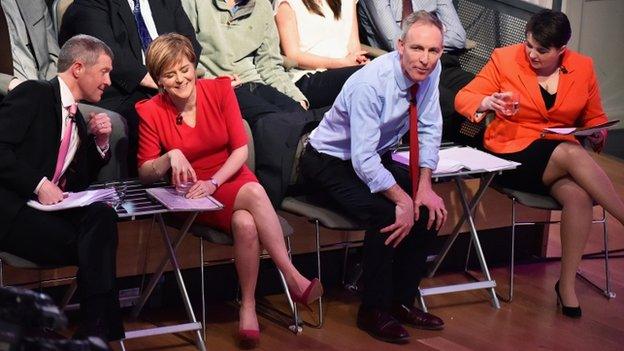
<point x="531" y="322"/>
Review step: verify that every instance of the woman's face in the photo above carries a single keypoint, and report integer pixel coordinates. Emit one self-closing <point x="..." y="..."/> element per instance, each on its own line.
<point x="541" y="58"/>
<point x="178" y="80"/>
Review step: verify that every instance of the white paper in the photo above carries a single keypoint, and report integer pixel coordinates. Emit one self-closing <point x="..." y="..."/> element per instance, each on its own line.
<point x="79" y="199"/>
<point x="455" y="159"/>
<point x="170" y="199"/>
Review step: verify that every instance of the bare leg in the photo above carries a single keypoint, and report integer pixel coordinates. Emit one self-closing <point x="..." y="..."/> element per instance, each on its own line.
<point x="572" y="160"/>
<point x="576" y="218"/>
<point x="253" y="198"/>
<point x="246" y="256"/>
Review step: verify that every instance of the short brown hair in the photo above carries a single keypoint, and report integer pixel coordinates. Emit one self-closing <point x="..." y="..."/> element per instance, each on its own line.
<point x="165" y="50"/>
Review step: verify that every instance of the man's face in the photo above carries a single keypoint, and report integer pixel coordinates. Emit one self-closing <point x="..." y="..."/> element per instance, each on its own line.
<point x="93" y="80"/>
<point x="420" y="51"/>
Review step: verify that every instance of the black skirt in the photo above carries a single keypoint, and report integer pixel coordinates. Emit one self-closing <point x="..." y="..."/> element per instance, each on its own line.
<point x="528" y="176"/>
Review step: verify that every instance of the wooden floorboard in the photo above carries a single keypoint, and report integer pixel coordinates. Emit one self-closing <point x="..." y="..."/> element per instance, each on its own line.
<point x="531" y="322"/>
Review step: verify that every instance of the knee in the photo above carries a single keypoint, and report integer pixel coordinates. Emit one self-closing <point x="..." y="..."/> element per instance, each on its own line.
<point x="243" y="227"/>
<point x="255" y="193"/>
<point x="568" y="152"/>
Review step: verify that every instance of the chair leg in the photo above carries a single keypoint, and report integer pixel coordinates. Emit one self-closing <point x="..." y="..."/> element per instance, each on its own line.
<point x="68" y="295"/>
<point x="345" y="259"/>
<point x="512" y="259"/>
<point x="1" y="274"/>
<point x="317" y="229"/>
<point x="606" y="291"/>
<point x="295" y="327"/>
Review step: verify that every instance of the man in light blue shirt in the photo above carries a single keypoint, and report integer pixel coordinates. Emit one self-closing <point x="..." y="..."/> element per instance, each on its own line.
<point x="348" y="158"/>
<point x="381" y="22"/>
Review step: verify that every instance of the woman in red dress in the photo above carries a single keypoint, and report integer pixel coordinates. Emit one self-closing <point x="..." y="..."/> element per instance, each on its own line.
<point x="194" y="128"/>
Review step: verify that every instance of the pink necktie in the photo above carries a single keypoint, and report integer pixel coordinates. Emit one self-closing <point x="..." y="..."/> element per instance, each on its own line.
<point x="60" y="160"/>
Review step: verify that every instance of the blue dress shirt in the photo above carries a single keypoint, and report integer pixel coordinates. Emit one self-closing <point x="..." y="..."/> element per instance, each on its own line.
<point x="371" y="115"/>
<point x="381" y="21"/>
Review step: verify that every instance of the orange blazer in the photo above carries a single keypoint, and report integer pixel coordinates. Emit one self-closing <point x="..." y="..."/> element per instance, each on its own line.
<point x="577" y="103"/>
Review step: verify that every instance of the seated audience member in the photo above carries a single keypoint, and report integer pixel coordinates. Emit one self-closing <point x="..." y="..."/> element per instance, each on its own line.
<point x="240" y="40"/>
<point x="34" y="48"/>
<point x="349" y="158"/>
<point x="556" y="87"/>
<point x="381" y="21"/>
<point x="127" y="27"/>
<point x="45" y="150"/>
<point x="198" y="125"/>
<point x="322" y="37"/>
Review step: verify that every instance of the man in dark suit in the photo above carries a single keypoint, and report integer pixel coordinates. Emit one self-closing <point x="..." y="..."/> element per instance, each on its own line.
<point x="127" y="31"/>
<point x="47" y="148"/>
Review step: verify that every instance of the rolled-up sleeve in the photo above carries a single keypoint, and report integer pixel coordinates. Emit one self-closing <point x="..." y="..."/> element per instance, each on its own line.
<point x="430" y="122"/>
<point x="365" y="111"/>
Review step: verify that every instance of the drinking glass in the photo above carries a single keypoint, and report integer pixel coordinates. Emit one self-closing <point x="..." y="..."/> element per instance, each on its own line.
<point x="512" y="102"/>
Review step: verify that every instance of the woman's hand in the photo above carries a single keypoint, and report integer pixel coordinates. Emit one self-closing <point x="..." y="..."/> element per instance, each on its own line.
<point x="597" y="140"/>
<point x="181" y="169"/>
<point x="201" y="188"/>
<point x="496" y="102"/>
<point x="354" y="58"/>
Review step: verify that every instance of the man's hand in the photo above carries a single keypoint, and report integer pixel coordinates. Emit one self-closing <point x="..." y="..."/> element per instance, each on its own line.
<point x="49" y="193"/>
<point x="437" y="212"/>
<point x="181" y="170"/>
<point x="14" y="83"/>
<point x="404" y="216"/>
<point x="101" y="127"/>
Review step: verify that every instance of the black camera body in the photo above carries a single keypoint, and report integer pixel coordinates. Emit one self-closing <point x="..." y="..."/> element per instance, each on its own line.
<point x="23" y="311"/>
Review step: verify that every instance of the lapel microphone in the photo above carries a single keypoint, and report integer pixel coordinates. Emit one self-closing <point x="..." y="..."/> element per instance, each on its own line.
<point x="563" y="69"/>
<point x="179" y="119"/>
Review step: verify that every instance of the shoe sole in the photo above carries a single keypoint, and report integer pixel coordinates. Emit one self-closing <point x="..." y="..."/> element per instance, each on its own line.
<point x="400" y="341"/>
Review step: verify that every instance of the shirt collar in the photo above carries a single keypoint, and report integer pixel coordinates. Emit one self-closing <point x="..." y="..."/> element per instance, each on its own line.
<point x="66" y="96"/>
<point x="403" y="82"/>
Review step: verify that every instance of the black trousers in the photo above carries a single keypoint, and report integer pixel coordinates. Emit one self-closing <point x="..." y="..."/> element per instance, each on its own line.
<point x="321" y="88"/>
<point x="452" y="79"/>
<point x="391" y="276"/>
<point x="277" y="122"/>
<point x="85" y="237"/>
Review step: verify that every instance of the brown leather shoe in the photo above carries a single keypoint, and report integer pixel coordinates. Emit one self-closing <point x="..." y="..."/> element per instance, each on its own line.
<point x="417" y="318"/>
<point x="381" y="325"/>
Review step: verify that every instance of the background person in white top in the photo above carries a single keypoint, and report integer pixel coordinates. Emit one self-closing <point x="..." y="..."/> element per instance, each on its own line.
<point x="322" y="37"/>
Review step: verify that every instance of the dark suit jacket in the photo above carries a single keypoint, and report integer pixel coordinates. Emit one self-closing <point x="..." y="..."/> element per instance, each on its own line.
<point x="112" y="22"/>
<point x="30" y="133"/>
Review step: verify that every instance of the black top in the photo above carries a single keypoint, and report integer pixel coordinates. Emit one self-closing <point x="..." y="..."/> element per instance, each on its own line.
<point x="549" y="99"/>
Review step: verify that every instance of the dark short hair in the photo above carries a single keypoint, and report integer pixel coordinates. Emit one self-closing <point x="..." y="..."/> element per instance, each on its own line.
<point x="84" y="48"/>
<point x="549" y="28"/>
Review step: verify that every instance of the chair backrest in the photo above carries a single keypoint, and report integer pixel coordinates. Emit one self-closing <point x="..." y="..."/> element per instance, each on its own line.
<point x="117" y="167"/>
<point x="58" y="10"/>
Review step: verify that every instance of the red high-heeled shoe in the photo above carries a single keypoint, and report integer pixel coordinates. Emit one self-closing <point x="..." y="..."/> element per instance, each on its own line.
<point x="248" y="338"/>
<point x="313" y="292"/>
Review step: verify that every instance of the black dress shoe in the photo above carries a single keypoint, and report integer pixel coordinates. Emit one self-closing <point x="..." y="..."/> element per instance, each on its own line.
<point x="572" y="312"/>
<point x="417" y="318"/>
<point x="381" y="325"/>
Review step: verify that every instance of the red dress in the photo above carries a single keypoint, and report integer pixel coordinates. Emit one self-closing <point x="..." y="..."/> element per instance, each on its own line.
<point x="218" y="131"/>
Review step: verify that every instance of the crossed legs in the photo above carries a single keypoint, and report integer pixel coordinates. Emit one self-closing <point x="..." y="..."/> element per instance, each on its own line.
<point x="576" y="180"/>
<point x="255" y="222"/>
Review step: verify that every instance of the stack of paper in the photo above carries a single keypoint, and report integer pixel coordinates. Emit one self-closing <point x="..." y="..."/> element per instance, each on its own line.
<point x="79" y="199"/>
<point x="174" y="202"/>
<point x="581" y="131"/>
<point x="455" y="159"/>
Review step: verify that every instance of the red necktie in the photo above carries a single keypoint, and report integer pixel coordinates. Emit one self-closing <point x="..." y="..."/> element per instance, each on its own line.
<point x="413" y="139"/>
<point x="64" y="148"/>
<point x="407" y="9"/>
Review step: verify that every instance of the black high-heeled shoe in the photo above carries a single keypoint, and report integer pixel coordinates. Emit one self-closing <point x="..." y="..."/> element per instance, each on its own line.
<point x="572" y="312"/>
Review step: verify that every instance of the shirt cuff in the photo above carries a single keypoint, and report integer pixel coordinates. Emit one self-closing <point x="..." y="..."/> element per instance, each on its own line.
<point x="39" y="185"/>
<point x="382" y="181"/>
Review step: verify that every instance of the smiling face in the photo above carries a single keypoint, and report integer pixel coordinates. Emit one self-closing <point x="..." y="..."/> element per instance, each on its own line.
<point x="543" y="60"/>
<point x="178" y="80"/>
<point x="94" y="79"/>
<point x="420" y="51"/>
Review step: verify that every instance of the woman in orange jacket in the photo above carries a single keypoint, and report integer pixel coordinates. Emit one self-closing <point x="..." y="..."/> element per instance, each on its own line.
<point x="535" y="85"/>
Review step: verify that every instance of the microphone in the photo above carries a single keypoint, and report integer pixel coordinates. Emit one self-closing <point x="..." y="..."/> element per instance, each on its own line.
<point x="179" y="119"/>
<point x="563" y="69"/>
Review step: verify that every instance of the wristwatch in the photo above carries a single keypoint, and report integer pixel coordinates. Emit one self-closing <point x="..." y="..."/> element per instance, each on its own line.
<point x="214" y="182"/>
